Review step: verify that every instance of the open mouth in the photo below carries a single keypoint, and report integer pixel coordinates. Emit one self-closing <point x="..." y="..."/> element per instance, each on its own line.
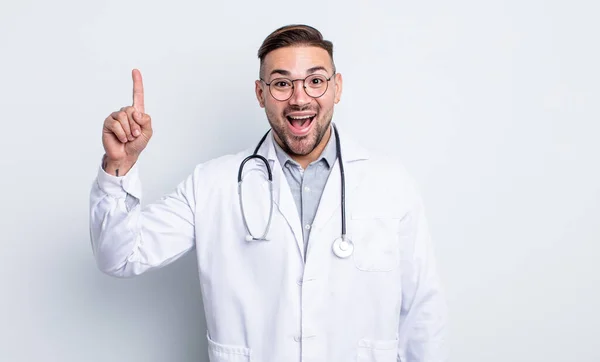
<point x="300" y="125"/>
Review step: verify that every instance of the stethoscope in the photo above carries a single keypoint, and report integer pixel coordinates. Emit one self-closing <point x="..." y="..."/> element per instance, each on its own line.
<point x="342" y="246"/>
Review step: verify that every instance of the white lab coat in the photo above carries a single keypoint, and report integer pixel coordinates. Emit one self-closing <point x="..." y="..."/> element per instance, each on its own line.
<point x="263" y="302"/>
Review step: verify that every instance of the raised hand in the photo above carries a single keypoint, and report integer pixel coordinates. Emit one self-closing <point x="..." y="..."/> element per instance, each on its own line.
<point x="126" y="132"/>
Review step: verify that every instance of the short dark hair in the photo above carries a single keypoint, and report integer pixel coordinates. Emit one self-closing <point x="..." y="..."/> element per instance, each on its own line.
<point x="294" y="35"/>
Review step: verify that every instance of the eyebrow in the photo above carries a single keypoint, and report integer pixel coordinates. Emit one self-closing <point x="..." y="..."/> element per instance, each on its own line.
<point x="287" y="73"/>
<point x="280" y="71"/>
<point x="315" y="69"/>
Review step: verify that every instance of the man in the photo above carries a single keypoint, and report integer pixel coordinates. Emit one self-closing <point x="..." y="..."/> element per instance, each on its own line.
<point x="372" y="295"/>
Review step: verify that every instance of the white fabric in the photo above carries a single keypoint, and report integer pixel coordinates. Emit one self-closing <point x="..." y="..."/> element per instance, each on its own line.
<point x="262" y="301"/>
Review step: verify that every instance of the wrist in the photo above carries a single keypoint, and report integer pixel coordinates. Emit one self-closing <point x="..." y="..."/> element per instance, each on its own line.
<point x="116" y="167"/>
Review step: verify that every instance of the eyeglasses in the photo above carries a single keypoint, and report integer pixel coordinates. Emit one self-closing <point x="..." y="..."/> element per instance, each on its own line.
<point x="315" y="85"/>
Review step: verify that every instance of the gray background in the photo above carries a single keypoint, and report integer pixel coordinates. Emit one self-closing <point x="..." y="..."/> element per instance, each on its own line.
<point x="493" y="107"/>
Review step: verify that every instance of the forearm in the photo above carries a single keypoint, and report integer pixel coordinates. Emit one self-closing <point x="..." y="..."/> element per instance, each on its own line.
<point x="114" y="220"/>
<point x="128" y="240"/>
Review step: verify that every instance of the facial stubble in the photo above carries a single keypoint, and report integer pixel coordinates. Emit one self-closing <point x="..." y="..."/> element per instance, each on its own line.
<point x="280" y="129"/>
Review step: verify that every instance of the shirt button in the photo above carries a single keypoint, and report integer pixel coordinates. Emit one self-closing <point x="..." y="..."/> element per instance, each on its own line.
<point x="306" y="188"/>
<point x="307" y="226"/>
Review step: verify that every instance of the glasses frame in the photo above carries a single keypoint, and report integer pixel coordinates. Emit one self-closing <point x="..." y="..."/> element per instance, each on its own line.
<point x="293" y="81"/>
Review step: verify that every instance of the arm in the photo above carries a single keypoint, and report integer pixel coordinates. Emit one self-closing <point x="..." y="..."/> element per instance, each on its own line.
<point x="127" y="239"/>
<point x="423" y="315"/>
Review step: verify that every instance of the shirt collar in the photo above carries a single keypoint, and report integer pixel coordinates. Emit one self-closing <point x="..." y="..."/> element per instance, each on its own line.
<point x="328" y="155"/>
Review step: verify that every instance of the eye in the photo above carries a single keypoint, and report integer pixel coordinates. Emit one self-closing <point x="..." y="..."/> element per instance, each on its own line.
<point x="316" y="81"/>
<point x="280" y="83"/>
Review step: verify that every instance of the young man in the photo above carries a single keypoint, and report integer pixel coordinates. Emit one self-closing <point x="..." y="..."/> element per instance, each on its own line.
<point x="347" y="270"/>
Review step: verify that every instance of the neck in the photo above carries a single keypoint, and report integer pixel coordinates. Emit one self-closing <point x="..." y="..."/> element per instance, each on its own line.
<point x="305" y="160"/>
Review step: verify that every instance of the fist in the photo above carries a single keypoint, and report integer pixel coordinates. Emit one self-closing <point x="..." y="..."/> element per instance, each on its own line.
<point x="127" y="131"/>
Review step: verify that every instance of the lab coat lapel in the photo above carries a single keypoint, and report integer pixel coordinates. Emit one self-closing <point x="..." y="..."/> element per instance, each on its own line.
<point x="287" y="206"/>
<point x="282" y="194"/>
<point x="330" y="200"/>
<point x="330" y="203"/>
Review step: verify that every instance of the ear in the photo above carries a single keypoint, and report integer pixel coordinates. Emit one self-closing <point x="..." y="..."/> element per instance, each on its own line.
<point x="260" y="94"/>
<point x="338" y="87"/>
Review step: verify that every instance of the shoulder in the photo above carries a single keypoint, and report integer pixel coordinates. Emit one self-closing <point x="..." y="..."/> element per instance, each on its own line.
<point x="385" y="174"/>
<point x="390" y="167"/>
<point x="221" y="168"/>
<point x="384" y="166"/>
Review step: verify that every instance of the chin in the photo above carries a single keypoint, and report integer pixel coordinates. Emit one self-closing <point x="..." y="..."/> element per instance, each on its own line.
<point x="301" y="146"/>
<point x="295" y="141"/>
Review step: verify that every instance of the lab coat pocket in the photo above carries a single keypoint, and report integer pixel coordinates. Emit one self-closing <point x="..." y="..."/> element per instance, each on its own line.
<point x="376" y="242"/>
<point x="377" y="350"/>
<point x="218" y="352"/>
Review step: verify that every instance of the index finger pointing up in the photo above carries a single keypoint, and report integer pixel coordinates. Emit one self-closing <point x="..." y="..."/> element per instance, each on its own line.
<point x="138" y="91"/>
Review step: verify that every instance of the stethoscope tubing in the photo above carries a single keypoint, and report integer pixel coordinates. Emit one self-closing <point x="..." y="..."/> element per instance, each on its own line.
<point x="342" y="246"/>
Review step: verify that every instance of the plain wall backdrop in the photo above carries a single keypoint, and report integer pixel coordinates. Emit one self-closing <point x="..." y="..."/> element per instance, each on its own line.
<point x="492" y="106"/>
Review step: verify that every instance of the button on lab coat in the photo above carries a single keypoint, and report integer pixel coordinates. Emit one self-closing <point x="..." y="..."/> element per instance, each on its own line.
<point x="264" y="301"/>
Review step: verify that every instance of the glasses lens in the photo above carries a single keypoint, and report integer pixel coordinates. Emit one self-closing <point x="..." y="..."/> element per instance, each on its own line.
<point x="316" y="85"/>
<point x="281" y="88"/>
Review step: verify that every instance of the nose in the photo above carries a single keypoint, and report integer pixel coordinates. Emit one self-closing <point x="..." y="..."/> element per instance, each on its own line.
<point x="299" y="96"/>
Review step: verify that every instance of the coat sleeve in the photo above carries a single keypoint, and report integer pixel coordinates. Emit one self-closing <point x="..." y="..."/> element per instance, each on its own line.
<point x="128" y="239"/>
<point x="423" y="315"/>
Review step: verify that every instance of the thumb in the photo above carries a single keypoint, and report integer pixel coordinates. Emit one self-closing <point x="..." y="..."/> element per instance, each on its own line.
<point x="142" y="119"/>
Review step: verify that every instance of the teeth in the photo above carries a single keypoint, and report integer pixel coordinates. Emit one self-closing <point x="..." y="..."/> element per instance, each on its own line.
<point x="302" y="117"/>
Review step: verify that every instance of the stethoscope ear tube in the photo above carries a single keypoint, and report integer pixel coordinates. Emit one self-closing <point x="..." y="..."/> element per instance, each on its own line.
<point x="342" y="247"/>
<point x="264" y="160"/>
<point x="249" y="236"/>
<point x="343" y="183"/>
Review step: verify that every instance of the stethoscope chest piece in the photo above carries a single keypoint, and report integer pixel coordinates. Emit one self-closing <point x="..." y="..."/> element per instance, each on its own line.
<point x="343" y="247"/>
